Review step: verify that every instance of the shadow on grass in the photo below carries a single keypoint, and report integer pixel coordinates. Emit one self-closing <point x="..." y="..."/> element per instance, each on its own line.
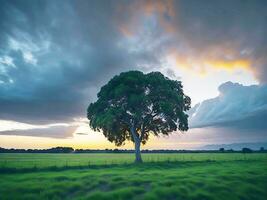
<point x="143" y="166"/>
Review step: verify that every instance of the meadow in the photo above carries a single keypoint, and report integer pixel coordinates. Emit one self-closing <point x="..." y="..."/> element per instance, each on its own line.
<point x="184" y="176"/>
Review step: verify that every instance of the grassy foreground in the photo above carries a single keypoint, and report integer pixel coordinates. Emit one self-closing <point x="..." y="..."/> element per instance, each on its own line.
<point x="226" y="176"/>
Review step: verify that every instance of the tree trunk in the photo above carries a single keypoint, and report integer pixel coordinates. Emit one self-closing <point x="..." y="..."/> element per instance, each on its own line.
<point x="137" y="144"/>
<point x="138" y="158"/>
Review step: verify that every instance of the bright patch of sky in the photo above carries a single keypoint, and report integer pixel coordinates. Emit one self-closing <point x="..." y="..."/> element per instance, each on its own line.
<point x="205" y="86"/>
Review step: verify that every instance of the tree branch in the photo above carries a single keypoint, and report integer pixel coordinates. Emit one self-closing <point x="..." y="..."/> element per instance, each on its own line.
<point x="142" y="131"/>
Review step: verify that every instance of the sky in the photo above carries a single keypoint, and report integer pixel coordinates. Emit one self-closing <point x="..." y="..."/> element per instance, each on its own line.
<point x="56" y="55"/>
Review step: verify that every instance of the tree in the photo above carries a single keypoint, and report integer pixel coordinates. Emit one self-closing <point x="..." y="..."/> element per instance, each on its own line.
<point x="221" y="149"/>
<point x="133" y="105"/>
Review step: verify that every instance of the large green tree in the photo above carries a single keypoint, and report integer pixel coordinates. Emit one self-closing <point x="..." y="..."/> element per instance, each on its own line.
<point x="134" y="105"/>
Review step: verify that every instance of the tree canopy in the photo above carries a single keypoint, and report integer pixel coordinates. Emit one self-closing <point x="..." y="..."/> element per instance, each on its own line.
<point x="133" y="105"/>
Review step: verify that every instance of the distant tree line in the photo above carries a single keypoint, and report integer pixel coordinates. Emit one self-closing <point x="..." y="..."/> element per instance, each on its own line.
<point x="51" y="150"/>
<point x="71" y="150"/>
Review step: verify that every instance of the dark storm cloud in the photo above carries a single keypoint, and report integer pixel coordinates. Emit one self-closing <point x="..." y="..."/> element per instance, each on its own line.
<point x="55" y="55"/>
<point x="61" y="53"/>
<point x="239" y="107"/>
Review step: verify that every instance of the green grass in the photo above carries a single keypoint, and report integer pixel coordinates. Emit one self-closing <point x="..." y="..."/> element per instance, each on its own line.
<point x="44" y="160"/>
<point x="169" y="176"/>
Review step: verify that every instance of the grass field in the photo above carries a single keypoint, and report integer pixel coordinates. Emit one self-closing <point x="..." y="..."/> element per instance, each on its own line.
<point x="44" y="160"/>
<point x="112" y="176"/>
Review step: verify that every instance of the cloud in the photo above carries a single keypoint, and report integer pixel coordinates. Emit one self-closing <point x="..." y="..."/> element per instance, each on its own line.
<point x="202" y="36"/>
<point x="55" y="55"/>
<point x="49" y="132"/>
<point x="56" y="130"/>
<point x="209" y="61"/>
<point x="225" y="31"/>
<point x="237" y="106"/>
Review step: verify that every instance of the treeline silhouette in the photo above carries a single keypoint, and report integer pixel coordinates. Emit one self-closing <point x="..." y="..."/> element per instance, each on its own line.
<point x="51" y="150"/>
<point x="71" y="150"/>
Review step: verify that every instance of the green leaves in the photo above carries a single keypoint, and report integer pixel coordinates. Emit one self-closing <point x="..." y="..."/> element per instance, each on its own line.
<point x="152" y="102"/>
